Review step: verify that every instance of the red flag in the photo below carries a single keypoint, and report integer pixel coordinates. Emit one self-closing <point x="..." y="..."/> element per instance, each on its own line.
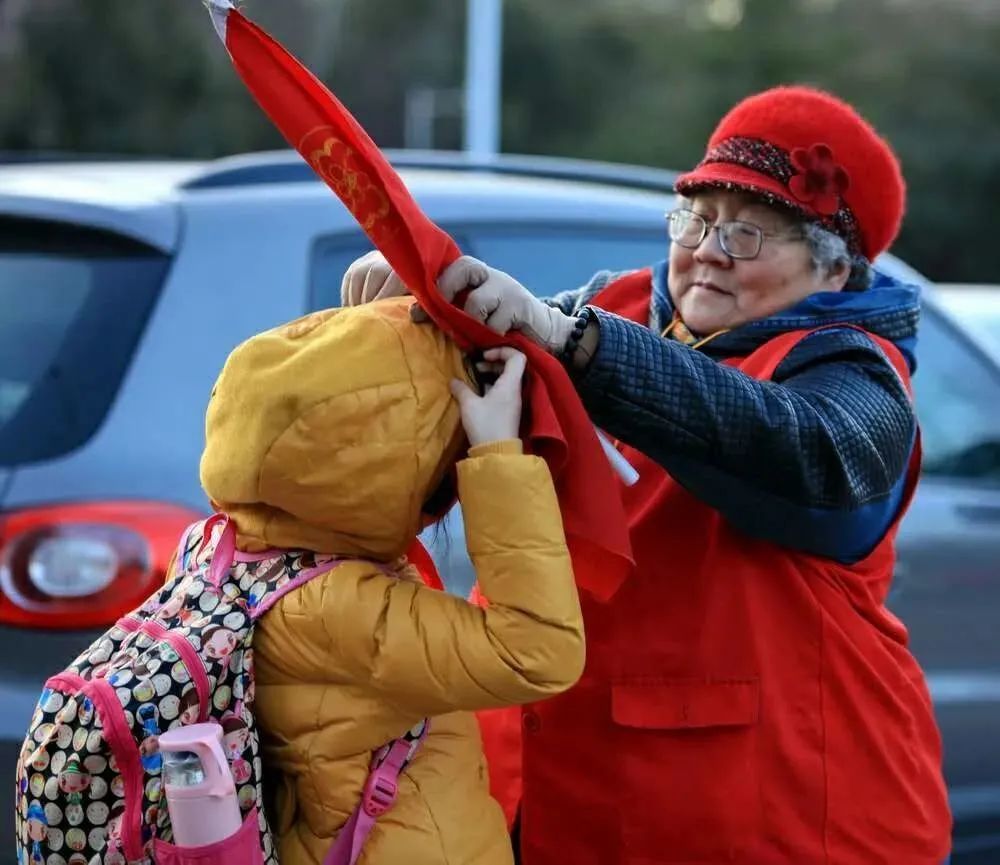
<point x="557" y="428"/>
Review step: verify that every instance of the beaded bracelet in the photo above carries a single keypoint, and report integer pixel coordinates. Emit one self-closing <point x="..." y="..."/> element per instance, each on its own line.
<point x="583" y="319"/>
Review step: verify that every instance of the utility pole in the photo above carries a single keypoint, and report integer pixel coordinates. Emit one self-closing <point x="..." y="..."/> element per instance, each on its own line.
<point x="484" y="38"/>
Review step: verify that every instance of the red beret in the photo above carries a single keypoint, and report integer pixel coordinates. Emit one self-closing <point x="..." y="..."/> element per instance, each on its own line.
<point x="807" y="150"/>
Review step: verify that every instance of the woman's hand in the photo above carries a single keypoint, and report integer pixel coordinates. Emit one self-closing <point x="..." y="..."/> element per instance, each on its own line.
<point x="496" y="415"/>
<point x="370" y="278"/>
<point x="503" y="304"/>
<point x="495" y="298"/>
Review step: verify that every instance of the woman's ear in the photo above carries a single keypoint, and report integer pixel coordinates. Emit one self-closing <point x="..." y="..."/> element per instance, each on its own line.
<point x="836" y="277"/>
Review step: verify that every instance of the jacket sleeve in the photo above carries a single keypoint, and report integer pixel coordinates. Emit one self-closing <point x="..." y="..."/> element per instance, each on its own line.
<point x="428" y="652"/>
<point x="813" y="460"/>
<point x="573" y="300"/>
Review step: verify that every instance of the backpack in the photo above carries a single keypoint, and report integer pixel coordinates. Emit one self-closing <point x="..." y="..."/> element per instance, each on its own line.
<point x="89" y="774"/>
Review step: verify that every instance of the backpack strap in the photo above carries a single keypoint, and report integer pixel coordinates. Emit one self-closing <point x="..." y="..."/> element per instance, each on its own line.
<point x="271" y="598"/>
<point x="225" y="548"/>
<point x="180" y="557"/>
<point x="382" y="785"/>
<point x="377" y="797"/>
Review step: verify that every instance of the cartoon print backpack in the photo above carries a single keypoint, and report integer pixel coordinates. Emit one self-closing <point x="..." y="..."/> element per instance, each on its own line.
<point x="89" y="774"/>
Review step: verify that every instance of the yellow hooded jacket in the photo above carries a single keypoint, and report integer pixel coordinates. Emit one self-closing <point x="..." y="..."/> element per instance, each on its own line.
<point x="330" y="434"/>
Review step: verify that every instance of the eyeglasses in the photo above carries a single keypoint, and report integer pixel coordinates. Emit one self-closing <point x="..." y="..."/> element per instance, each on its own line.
<point x="739" y="240"/>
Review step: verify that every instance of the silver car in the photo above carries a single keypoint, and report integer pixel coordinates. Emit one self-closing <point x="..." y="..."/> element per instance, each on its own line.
<point x="976" y="307"/>
<point x="125" y="285"/>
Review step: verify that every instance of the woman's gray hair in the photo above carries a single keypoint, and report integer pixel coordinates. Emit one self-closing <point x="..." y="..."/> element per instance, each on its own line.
<point x="828" y="250"/>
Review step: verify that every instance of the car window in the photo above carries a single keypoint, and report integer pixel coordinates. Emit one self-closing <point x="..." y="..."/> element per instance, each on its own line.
<point x="978" y="312"/>
<point x="75" y="302"/>
<point x="331" y="256"/>
<point x="546" y="258"/>
<point x="553" y="258"/>
<point x="958" y="402"/>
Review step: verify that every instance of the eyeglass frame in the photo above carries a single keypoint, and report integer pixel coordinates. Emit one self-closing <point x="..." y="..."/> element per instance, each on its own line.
<point x="707" y="227"/>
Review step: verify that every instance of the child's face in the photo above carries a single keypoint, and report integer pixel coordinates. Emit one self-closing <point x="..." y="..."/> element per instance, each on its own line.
<point x="171" y="608"/>
<point x="37" y="830"/>
<point x="241" y="771"/>
<point x="221" y="644"/>
<point x="115" y="824"/>
<point x="73" y="782"/>
<point x="236" y="741"/>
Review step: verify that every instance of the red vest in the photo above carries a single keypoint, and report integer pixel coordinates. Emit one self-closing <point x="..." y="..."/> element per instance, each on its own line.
<point x="741" y="703"/>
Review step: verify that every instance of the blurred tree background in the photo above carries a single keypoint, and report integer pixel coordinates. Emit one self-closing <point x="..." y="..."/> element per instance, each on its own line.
<point x="639" y="81"/>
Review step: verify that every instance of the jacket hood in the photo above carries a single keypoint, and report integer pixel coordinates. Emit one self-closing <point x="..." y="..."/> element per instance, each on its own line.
<point x="330" y="433"/>
<point x="889" y="308"/>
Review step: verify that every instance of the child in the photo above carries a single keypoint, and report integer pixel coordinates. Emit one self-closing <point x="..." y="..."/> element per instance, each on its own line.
<point x="340" y="434"/>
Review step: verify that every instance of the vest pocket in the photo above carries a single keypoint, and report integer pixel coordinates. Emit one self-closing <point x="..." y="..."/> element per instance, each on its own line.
<point x="687" y="753"/>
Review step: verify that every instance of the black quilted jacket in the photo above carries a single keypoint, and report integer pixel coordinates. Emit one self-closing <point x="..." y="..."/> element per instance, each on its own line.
<point x="813" y="460"/>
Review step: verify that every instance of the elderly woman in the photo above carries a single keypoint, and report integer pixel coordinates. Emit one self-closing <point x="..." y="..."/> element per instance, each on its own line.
<point x="748" y="697"/>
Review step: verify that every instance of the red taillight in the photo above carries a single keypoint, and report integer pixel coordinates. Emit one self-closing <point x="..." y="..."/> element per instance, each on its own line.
<point x="84" y="565"/>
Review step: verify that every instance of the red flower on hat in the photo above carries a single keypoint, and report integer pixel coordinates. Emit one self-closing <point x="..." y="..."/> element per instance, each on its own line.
<point x="820" y="181"/>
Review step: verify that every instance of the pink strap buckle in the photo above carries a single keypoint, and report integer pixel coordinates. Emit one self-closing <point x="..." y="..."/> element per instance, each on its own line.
<point x="379" y="793"/>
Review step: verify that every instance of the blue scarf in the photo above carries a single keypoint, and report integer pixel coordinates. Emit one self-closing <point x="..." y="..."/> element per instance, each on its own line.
<point x="889" y="308"/>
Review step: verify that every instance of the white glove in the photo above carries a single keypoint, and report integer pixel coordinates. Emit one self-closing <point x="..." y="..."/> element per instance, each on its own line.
<point x="497" y="299"/>
<point x="370" y="278"/>
<point x="503" y="304"/>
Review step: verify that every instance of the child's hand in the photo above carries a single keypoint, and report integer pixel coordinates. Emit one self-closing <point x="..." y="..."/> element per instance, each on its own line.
<point x="496" y="415"/>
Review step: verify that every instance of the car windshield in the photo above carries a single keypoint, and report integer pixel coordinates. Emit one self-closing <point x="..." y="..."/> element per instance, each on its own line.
<point x="74" y="303"/>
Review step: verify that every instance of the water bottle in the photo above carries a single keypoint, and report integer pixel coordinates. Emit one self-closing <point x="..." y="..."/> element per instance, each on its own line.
<point x="183" y="769"/>
<point x="200" y="792"/>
